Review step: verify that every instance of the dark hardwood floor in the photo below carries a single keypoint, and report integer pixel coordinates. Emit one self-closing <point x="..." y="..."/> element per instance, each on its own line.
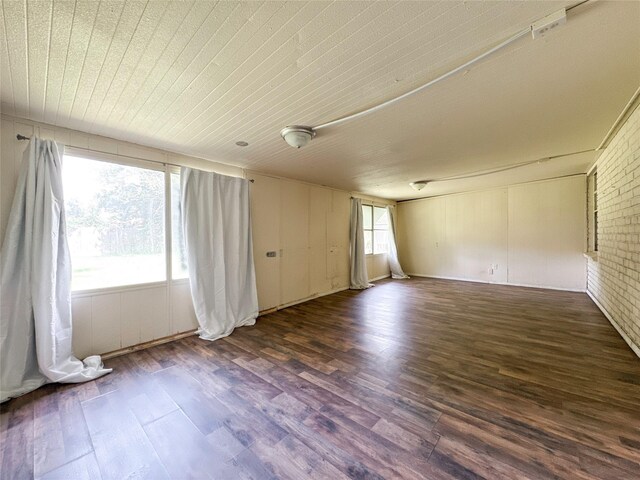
<point x="410" y="379"/>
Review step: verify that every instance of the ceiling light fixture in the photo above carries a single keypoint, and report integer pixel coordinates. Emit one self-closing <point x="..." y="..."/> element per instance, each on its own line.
<point x="419" y="185"/>
<point x="297" y="135"/>
<point x="242" y="143"/>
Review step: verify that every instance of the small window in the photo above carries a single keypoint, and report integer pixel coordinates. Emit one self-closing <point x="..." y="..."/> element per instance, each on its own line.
<point x="115" y="223"/>
<point x="376" y="229"/>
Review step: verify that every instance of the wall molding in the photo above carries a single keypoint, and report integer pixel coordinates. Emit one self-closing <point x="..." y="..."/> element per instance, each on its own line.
<point x="188" y="333"/>
<point x="380" y="277"/>
<point x="127" y="288"/>
<point x="178" y="336"/>
<point x="306" y="299"/>
<point x="316" y="295"/>
<point x="635" y="348"/>
<point x="145" y="345"/>
<point x="508" y="284"/>
<point x="488" y="189"/>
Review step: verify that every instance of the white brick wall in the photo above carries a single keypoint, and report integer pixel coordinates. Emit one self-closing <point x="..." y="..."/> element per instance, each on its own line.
<point x="614" y="276"/>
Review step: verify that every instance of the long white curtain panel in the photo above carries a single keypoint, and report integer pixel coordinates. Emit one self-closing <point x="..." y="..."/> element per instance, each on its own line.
<point x="394" y="262"/>
<point x="217" y="230"/>
<point x="359" y="279"/>
<point x="35" y="314"/>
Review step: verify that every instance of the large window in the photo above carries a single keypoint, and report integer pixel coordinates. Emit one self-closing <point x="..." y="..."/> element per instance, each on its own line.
<point x="115" y="223"/>
<point x="376" y="229"/>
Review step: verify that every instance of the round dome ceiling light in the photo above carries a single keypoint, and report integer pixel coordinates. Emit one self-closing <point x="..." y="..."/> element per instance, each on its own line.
<point x="297" y="135"/>
<point x="419" y="185"/>
<point x="242" y="143"/>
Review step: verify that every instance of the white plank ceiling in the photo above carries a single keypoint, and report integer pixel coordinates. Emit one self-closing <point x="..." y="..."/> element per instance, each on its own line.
<point x="196" y="76"/>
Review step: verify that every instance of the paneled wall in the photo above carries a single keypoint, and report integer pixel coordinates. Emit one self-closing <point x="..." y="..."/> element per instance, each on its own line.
<point x="547" y="233"/>
<point x="119" y="318"/>
<point x="614" y="271"/>
<point x="377" y="266"/>
<point x="455" y="236"/>
<point x="306" y="225"/>
<point x="530" y="234"/>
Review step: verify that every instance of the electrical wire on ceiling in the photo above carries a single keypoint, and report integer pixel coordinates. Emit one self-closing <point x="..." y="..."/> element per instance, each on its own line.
<point x="482" y="173"/>
<point x="299" y="135"/>
<point x="448" y="74"/>
<point x="632" y="104"/>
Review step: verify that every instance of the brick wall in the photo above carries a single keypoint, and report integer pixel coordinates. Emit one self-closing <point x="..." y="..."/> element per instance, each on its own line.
<point x="614" y="274"/>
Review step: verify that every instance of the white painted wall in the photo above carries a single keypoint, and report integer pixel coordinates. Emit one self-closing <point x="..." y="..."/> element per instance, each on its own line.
<point x="377" y="266"/>
<point x="547" y="233"/>
<point x="530" y="234"/>
<point x="308" y="228"/>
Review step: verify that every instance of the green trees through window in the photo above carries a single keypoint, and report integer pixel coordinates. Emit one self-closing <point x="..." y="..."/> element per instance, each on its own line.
<point x="376" y="229"/>
<point x="115" y="223"/>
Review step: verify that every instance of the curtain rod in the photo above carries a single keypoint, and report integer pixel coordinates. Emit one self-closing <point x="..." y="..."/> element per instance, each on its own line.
<point x="373" y="203"/>
<point x="22" y="137"/>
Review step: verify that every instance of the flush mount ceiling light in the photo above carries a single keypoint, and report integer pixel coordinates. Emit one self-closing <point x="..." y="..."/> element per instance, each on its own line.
<point x="242" y="143"/>
<point x="419" y="185"/>
<point x="297" y="135"/>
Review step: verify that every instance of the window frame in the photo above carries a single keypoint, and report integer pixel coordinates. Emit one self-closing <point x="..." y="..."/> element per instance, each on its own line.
<point x="167" y="170"/>
<point x="373" y="229"/>
<point x="171" y="170"/>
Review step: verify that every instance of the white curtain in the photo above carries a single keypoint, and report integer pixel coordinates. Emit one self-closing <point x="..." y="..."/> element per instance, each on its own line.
<point x="359" y="279"/>
<point x="394" y="263"/>
<point x="35" y="282"/>
<point x="217" y="230"/>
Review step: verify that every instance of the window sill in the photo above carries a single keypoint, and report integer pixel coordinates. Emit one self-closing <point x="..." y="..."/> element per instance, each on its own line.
<point x="127" y="288"/>
<point x="593" y="255"/>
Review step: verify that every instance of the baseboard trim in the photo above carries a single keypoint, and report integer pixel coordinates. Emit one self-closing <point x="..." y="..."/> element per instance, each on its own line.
<point x="508" y="284"/>
<point x="608" y="316"/>
<point x="145" y="345"/>
<point x="380" y="277"/>
<point x="178" y="336"/>
<point x="302" y="300"/>
<point x="316" y="295"/>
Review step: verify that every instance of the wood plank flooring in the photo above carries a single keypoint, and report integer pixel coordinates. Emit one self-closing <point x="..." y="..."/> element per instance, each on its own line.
<point x="411" y="379"/>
